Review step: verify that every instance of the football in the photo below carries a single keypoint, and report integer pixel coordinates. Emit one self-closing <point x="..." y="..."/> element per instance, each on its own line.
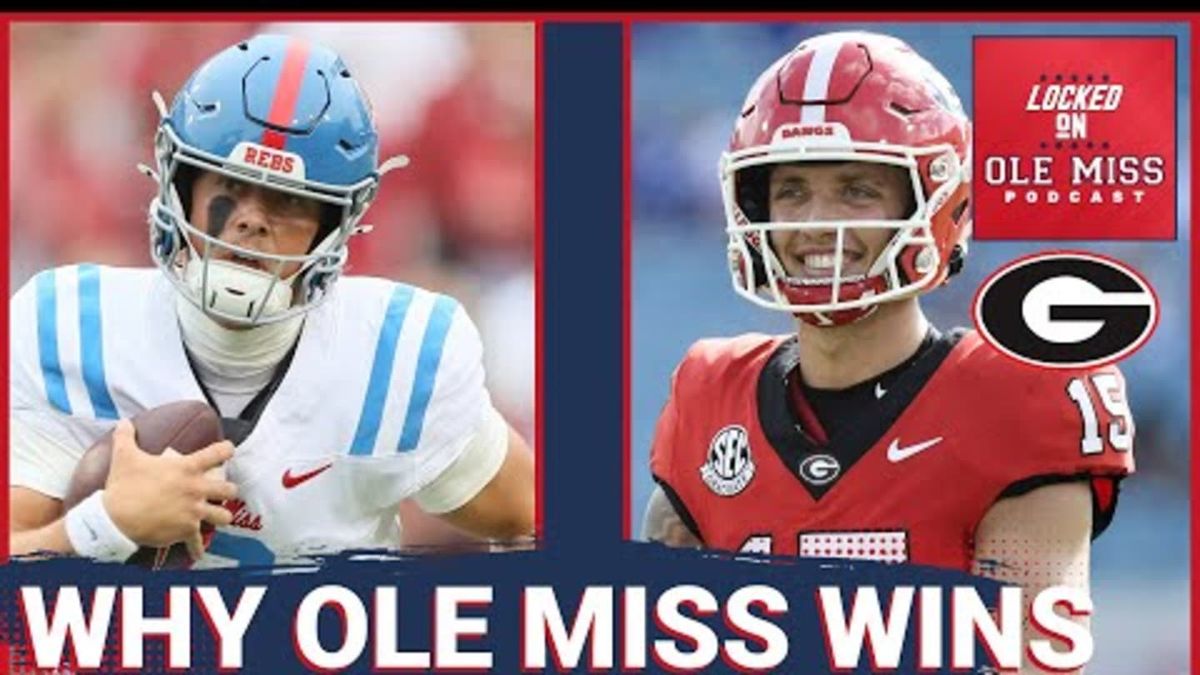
<point x="186" y="426"/>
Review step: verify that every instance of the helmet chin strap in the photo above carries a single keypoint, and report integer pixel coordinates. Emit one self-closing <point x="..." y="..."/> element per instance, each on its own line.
<point x="234" y="290"/>
<point x="840" y="317"/>
<point x="237" y="290"/>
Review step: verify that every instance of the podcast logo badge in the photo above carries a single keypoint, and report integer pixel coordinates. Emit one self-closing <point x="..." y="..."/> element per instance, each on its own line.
<point x="1074" y="137"/>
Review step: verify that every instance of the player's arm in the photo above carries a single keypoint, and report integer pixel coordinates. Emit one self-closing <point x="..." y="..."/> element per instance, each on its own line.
<point x="40" y="468"/>
<point x="148" y="500"/>
<point x="489" y="489"/>
<point x="667" y="519"/>
<point x="1037" y="540"/>
<point x="662" y="523"/>
<point x="504" y="508"/>
<point x="423" y="531"/>
<point x="35" y="523"/>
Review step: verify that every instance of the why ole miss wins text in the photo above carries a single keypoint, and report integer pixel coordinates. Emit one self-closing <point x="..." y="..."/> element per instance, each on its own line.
<point x="608" y="628"/>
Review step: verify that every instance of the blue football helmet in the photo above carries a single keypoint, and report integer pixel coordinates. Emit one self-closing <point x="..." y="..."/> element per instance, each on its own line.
<point x="284" y="114"/>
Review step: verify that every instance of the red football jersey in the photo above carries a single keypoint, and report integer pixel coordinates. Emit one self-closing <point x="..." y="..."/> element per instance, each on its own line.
<point x="960" y="428"/>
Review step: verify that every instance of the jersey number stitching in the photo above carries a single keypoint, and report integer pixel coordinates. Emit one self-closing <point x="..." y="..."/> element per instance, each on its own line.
<point x="1107" y="387"/>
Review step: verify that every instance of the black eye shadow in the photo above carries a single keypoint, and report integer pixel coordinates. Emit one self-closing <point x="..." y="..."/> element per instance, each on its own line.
<point x="219" y="208"/>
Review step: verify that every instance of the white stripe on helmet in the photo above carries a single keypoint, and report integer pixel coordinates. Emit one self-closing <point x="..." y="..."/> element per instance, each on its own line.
<point x="816" y="84"/>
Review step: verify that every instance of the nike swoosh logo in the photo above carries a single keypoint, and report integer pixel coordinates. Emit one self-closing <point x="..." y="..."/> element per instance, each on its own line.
<point x="895" y="453"/>
<point x="879" y="390"/>
<point x="290" y="481"/>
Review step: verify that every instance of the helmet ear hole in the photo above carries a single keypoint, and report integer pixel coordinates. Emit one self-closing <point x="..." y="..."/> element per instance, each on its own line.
<point x="185" y="178"/>
<point x="165" y="243"/>
<point x="758" y="268"/>
<point x="957" y="259"/>
<point x="752" y="184"/>
<point x="960" y="210"/>
<point x="328" y="222"/>
<point x="910" y="208"/>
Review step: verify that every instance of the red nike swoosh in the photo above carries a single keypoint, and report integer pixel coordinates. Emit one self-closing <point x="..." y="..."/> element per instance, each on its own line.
<point x="290" y="481"/>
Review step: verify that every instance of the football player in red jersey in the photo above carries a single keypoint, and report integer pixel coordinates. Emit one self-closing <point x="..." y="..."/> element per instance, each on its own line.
<point x="868" y="433"/>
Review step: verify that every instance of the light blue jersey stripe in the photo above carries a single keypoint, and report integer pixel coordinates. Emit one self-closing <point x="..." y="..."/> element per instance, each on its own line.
<point x="91" y="343"/>
<point x="381" y="371"/>
<point x="427" y="367"/>
<point x="47" y="332"/>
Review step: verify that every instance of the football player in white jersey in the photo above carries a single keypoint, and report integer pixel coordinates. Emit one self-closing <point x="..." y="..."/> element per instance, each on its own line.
<point x="343" y="396"/>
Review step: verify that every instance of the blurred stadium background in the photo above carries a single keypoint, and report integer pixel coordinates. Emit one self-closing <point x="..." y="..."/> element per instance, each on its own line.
<point x="458" y="99"/>
<point x="688" y="81"/>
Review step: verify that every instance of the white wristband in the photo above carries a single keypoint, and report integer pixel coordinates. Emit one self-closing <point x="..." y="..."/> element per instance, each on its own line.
<point x="93" y="534"/>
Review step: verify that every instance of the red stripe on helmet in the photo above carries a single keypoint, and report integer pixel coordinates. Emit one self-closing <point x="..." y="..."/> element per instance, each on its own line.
<point x="287" y="92"/>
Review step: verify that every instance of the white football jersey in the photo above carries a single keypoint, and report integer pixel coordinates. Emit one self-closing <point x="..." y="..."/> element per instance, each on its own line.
<point x="384" y="391"/>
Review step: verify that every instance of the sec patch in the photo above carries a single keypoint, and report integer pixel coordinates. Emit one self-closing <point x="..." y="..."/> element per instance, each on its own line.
<point x="1074" y="137"/>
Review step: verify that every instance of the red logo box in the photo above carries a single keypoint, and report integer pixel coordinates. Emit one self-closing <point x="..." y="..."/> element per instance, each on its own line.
<point x="1074" y="137"/>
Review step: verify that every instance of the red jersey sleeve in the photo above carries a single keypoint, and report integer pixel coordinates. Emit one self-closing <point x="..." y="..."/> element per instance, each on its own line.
<point x="664" y="464"/>
<point x="663" y="444"/>
<point x="713" y="384"/>
<point x="1054" y="426"/>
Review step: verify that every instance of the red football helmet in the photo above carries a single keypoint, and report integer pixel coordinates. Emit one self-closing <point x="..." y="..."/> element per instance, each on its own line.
<point x="849" y="97"/>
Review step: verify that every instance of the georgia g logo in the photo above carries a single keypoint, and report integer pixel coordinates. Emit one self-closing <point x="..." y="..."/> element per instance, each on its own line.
<point x="819" y="469"/>
<point x="1066" y="310"/>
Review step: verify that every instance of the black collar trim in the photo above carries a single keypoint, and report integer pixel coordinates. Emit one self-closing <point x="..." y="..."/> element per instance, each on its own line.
<point x="794" y="447"/>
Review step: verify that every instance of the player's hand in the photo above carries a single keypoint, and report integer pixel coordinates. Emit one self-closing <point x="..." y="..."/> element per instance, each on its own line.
<point x="160" y="500"/>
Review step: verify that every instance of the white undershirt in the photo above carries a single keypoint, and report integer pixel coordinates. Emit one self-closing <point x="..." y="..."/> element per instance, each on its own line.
<point x="234" y="365"/>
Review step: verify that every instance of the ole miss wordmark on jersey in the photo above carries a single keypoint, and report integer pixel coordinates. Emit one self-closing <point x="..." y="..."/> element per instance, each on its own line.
<point x="910" y="480"/>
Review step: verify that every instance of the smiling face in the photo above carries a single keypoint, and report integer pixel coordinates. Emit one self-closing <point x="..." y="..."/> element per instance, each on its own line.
<point x="811" y="192"/>
<point x="253" y="217"/>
